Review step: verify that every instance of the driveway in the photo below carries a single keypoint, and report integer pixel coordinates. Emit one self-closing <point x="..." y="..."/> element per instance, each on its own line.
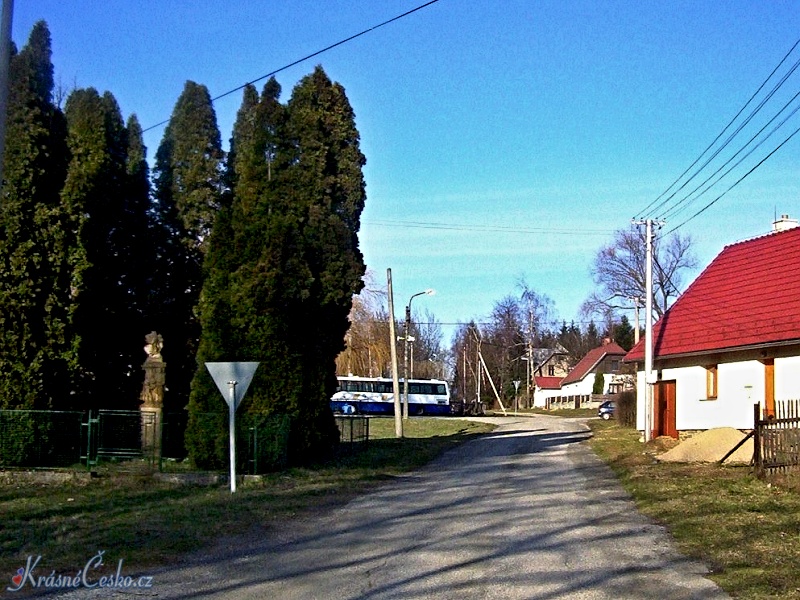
<point x="525" y="512"/>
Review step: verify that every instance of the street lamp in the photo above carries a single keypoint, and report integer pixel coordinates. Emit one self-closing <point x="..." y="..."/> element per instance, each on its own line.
<point x="405" y="348"/>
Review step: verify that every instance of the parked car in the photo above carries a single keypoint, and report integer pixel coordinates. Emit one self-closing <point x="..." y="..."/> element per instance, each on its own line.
<point x="607" y="409"/>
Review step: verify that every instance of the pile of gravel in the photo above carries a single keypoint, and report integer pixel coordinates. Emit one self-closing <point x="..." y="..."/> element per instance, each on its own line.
<point x="711" y="446"/>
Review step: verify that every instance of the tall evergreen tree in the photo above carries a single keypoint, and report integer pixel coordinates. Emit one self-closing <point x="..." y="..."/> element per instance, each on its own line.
<point x="328" y="195"/>
<point x="239" y="315"/>
<point x="287" y="258"/>
<point x="108" y="225"/>
<point x="187" y="192"/>
<point x="35" y="353"/>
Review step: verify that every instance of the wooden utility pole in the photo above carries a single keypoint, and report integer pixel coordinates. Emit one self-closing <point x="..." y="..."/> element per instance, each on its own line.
<point x="398" y="418"/>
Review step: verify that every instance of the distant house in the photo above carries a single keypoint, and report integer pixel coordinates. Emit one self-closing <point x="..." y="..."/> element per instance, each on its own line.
<point x="551" y="362"/>
<point x="551" y="365"/>
<point x="545" y="388"/>
<point x="605" y="359"/>
<point x="731" y="340"/>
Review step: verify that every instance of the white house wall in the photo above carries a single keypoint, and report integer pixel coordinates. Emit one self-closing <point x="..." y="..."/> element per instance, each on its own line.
<point x="787" y="378"/>
<point x="740" y="385"/>
<point x="579" y="388"/>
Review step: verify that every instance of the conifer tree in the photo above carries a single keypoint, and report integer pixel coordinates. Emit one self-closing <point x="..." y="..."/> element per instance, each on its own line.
<point x="283" y="262"/>
<point x="35" y="354"/>
<point x="236" y="313"/>
<point x="187" y="193"/>
<point x="329" y="196"/>
<point x="108" y="224"/>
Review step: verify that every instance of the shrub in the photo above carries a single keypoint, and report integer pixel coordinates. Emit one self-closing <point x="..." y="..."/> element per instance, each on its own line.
<point x="626" y="409"/>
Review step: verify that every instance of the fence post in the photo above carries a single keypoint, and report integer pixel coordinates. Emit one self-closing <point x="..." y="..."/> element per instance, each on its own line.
<point x="757" y="458"/>
<point x="255" y="448"/>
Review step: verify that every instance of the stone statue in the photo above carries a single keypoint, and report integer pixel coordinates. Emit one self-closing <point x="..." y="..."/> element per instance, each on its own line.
<point x="154" y="367"/>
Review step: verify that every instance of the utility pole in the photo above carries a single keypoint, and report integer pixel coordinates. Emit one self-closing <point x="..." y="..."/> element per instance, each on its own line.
<point x="529" y="362"/>
<point x="407" y="340"/>
<point x="648" y="335"/>
<point x="649" y="374"/>
<point x="398" y="418"/>
<point x="636" y="319"/>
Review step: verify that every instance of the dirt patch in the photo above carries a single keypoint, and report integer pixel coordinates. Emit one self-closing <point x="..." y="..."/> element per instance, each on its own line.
<point x="662" y="444"/>
<point x="711" y="446"/>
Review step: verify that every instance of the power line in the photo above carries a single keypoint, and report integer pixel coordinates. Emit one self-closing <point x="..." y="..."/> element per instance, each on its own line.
<point x="485" y="228"/>
<point x="742" y="178"/>
<point x="307" y="57"/>
<point x="653" y="206"/>
<point x="680" y="206"/>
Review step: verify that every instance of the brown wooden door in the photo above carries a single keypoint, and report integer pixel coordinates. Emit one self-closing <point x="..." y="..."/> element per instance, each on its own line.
<point x="664" y="410"/>
<point x="769" y="387"/>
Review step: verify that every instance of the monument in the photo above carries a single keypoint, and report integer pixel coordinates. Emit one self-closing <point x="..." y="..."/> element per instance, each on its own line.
<point x="152" y="395"/>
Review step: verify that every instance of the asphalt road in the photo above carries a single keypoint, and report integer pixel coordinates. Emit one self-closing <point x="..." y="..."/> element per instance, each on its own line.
<point x="526" y="512"/>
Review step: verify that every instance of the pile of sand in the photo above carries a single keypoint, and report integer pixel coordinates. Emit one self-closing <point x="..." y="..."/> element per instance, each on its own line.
<point x="711" y="446"/>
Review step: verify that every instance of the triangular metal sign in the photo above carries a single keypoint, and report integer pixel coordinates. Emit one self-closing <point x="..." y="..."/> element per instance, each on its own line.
<point x="224" y="373"/>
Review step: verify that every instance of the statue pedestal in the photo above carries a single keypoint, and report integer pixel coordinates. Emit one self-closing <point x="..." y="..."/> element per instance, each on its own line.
<point x="152" y="396"/>
<point x="151" y="431"/>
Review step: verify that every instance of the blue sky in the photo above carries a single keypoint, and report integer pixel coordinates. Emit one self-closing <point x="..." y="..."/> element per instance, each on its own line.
<point x="505" y="140"/>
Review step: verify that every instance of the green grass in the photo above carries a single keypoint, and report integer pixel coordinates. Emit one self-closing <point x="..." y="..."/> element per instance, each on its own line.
<point x="747" y="530"/>
<point x="149" y="523"/>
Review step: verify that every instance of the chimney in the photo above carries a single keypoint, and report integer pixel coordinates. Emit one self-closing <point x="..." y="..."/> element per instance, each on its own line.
<point x="784" y="223"/>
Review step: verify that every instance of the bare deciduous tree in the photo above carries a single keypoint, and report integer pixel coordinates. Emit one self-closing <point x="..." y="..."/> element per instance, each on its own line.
<point x="619" y="271"/>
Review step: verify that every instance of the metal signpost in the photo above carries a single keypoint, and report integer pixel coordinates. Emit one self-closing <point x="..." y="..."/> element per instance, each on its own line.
<point x="232" y="379"/>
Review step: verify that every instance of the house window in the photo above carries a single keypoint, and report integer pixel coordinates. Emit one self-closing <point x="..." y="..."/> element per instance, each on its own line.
<point x="551" y="370"/>
<point x="711" y="381"/>
<point x="614" y="365"/>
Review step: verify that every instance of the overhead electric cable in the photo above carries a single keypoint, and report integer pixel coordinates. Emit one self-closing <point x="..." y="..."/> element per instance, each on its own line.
<point x="309" y="56"/>
<point x="487" y="228"/>
<point x="682" y="204"/>
<point x="742" y="178"/>
<point x="733" y="135"/>
<point x="647" y="208"/>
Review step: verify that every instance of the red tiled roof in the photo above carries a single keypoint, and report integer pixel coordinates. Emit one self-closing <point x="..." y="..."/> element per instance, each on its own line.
<point x="548" y="383"/>
<point x="590" y="361"/>
<point x="748" y="296"/>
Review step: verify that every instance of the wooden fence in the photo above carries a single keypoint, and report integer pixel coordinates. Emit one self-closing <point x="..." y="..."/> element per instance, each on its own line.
<point x="776" y="439"/>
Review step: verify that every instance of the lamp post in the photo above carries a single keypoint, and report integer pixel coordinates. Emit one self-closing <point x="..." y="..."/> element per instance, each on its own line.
<point x="406" y="340"/>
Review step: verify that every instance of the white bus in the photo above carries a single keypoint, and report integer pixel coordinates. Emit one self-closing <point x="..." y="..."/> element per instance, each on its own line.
<point x="374" y="395"/>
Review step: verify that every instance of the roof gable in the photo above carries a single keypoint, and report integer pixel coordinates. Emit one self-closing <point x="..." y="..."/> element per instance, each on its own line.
<point x="749" y="295"/>
<point x="587" y="364"/>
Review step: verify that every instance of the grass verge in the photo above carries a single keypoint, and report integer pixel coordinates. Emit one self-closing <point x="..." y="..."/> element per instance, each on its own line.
<point x="745" y="529"/>
<point x="149" y="523"/>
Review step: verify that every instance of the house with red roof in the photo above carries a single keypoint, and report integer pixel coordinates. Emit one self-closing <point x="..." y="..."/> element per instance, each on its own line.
<point x="605" y="359"/>
<point x="731" y="340"/>
<point x="544" y="389"/>
<point x="551" y="365"/>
